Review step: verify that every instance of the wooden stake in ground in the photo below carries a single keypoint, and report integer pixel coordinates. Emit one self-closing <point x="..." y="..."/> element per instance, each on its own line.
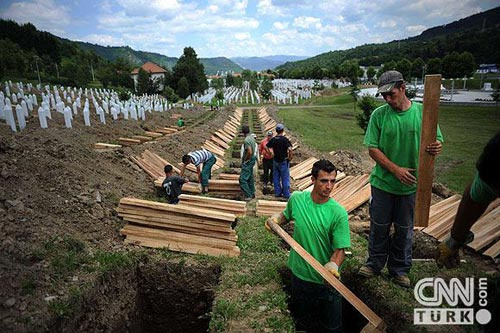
<point x="432" y="91"/>
<point x="375" y="321"/>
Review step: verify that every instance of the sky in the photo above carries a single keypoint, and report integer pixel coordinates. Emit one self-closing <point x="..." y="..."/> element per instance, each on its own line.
<point x="232" y="28"/>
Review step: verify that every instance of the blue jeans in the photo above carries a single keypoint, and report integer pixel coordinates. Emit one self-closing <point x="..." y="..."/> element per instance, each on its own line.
<point x="316" y="307"/>
<point x="385" y="209"/>
<point x="281" y="179"/>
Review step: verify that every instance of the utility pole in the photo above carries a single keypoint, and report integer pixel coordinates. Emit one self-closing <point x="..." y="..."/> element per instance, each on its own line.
<point x="57" y="71"/>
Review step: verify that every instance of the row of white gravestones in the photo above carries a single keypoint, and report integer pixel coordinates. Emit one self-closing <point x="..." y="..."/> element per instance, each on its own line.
<point x="136" y="107"/>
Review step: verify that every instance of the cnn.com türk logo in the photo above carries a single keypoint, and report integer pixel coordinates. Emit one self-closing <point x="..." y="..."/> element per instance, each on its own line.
<point x="451" y="293"/>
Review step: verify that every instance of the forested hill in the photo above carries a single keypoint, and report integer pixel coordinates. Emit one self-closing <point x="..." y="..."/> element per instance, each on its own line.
<point x="212" y="65"/>
<point x="478" y="34"/>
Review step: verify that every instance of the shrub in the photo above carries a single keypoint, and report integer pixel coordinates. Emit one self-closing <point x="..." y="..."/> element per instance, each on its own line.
<point x="367" y="104"/>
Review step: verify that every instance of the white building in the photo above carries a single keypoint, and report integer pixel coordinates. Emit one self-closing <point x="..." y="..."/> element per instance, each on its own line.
<point x="157" y="73"/>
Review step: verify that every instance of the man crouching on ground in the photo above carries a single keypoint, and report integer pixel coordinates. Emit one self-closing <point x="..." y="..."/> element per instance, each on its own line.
<point x="322" y="229"/>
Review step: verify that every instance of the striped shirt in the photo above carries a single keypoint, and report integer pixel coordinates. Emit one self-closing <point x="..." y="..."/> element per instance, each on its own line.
<point x="200" y="156"/>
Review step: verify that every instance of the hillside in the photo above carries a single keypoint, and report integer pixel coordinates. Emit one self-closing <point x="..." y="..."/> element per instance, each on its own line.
<point x="263" y="63"/>
<point x="212" y="65"/>
<point x="478" y="34"/>
<point x="135" y="57"/>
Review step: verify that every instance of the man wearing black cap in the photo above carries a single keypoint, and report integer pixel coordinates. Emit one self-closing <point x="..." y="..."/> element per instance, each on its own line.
<point x="282" y="153"/>
<point x="393" y="141"/>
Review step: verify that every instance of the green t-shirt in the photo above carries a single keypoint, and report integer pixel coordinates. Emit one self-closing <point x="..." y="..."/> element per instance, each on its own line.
<point x="319" y="229"/>
<point x="397" y="135"/>
<point x="249" y="142"/>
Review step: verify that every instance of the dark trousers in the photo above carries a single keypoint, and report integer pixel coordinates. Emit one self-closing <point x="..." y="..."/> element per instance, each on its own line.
<point x="267" y="165"/>
<point x="316" y="307"/>
<point x="386" y="209"/>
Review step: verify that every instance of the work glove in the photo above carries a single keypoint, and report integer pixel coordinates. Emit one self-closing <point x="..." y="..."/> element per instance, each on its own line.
<point x="333" y="268"/>
<point x="273" y="218"/>
<point x="447" y="253"/>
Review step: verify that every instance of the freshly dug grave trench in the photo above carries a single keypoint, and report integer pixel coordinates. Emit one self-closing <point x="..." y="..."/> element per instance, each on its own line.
<point x="149" y="297"/>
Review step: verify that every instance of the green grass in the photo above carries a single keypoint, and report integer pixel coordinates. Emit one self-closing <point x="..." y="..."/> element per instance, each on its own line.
<point x="466" y="130"/>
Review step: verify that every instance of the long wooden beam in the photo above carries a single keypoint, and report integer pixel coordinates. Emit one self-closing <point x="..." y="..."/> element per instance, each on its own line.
<point x="432" y="92"/>
<point x="368" y="313"/>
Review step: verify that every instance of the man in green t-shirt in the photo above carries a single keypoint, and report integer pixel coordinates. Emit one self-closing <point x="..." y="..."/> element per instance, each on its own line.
<point x="248" y="158"/>
<point x="180" y="122"/>
<point x="322" y="229"/>
<point x="393" y="141"/>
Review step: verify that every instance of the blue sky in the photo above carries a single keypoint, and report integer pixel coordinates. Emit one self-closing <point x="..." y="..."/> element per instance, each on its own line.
<point x="240" y="27"/>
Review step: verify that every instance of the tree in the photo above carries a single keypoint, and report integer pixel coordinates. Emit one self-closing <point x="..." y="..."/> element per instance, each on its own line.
<point x="254" y="84"/>
<point x="434" y="66"/>
<point x="367" y="104"/>
<point x="467" y="64"/>
<point x="229" y="80"/>
<point x="370" y="73"/>
<point x="404" y="67"/>
<point x="183" y="87"/>
<point x="219" y="95"/>
<point x="417" y="67"/>
<point x="265" y="88"/>
<point x="246" y="75"/>
<point x="189" y="67"/>
<point x="238" y="82"/>
<point x="143" y="79"/>
<point x="217" y="83"/>
<point x="351" y="70"/>
<point x="170" y="94"/>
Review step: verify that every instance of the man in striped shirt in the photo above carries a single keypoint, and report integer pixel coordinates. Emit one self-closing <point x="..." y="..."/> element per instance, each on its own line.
<point x="200" y="157"/>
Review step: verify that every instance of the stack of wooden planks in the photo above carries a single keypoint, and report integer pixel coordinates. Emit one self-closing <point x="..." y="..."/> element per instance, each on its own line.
<point x="267" y="123"/>
<point x="235" y="207"/>
<point x="486" y="230"/>
<point x="179" y="228"/>
<point x="128" y="141"/>
<point x="351" y="192"/>
<point x="166" y="130"/>
<point x="152" y="164"/>
<point x="303" y="169"/>
<point x="218" y="186"/>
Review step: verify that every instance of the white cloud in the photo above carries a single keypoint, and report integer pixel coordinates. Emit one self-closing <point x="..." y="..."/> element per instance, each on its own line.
<point x="266" y="7"/>
<point x="44" y="14"/>
<point x="306" y="22"/>
<point x="213" y="9"/>
<point x="104" y="40"/>
<point x="149" y="7"/>
<point x="280" y="25"/>
<point x="415" y="29"/>
<point x="242" y="35"/>
<point x="387" y="24"/>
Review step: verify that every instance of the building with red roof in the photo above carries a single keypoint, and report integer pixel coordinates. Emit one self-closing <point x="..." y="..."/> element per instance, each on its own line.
<point x="157" y="73"/>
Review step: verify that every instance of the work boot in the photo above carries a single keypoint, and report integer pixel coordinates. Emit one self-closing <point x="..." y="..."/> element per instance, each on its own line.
<point x="204" y="190"/>
<point x="367" y="271"/>
<point x="402" y="280"/>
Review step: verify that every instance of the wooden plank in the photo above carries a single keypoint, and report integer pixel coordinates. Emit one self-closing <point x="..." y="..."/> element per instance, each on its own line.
<point x="229" y="176"/>
<point x="142" y="138"/>
<point x="176" y="237"/>
<point x="101" y="145"/>
<point x="181" y="247"/>
<point x="371" y="316"/>
<point x="176" y="209"/>
<point x="486" y="230"/>
<point x="153" y="134"/>
<point x="493" y="251"/>
<point x="432" y="91"/>
<point x="128" y="142"/>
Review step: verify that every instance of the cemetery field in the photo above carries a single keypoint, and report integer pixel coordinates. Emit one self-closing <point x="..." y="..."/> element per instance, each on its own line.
<point x="465" y="128"/>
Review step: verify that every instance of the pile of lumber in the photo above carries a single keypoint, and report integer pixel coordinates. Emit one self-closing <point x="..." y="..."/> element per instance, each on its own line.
<point x="166" y="130"/>
<point x="219" y="163"/>
<point x="134" y="140"/>
<point x="180" y="228"/>
<point x="217" y="186"/>
<point x="268" y="123"/>
<point x="152" y="164"/>
<point x="486" y="230"/>
<point x="269" y="207"/>
<point x="235" y="207"/>
<point x="303" y="169"/>
<point x="351" y="192"/>
<point x="229" y="176"/>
